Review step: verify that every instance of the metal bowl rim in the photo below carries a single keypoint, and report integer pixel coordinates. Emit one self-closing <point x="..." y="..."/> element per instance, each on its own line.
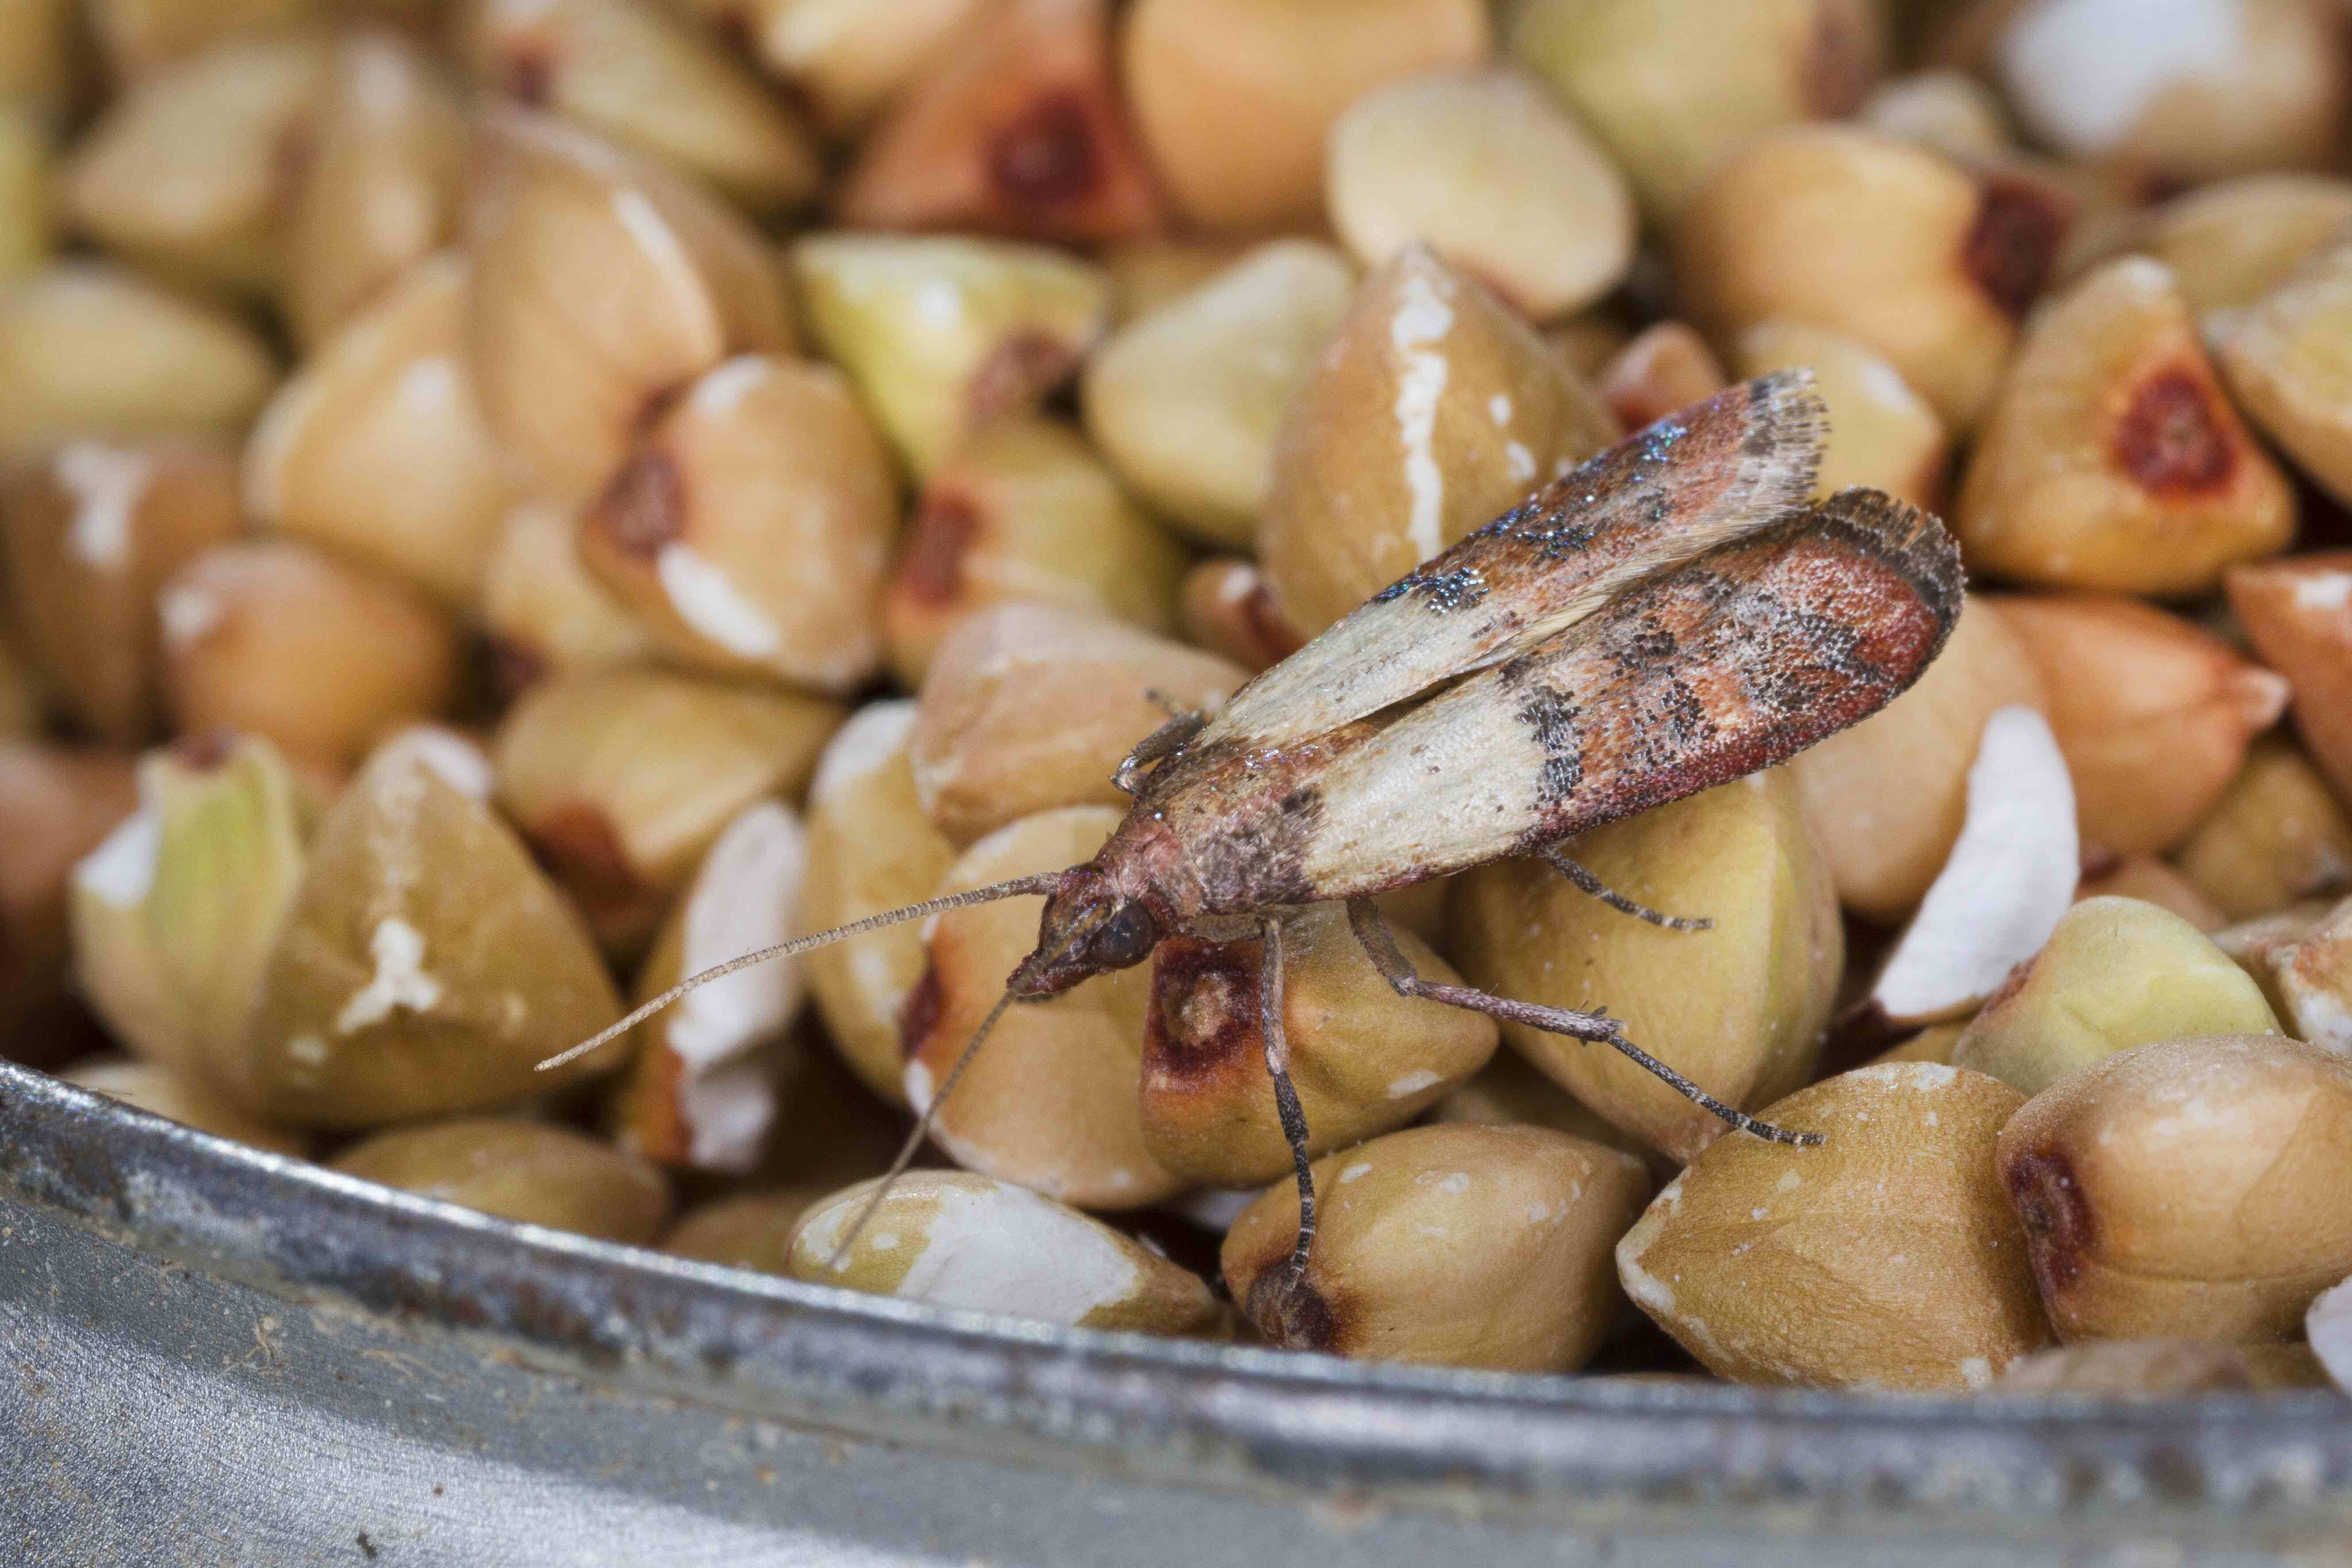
<point x="775" y="1345"/>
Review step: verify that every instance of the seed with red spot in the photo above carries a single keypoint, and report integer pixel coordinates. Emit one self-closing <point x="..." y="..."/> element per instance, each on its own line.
<point x="919" y="1014"/>
<point x="2013" y="241"/>
<point x="1842" y="61"/>
<point x="2055" y="1214"/>
<point x="514" y="665"/>
<point x="1047" y="156"/>
<point x="1204" y="1010"/>
<point x="203" y="750"/>
<point x="1292" y="1314"/>
<point x="577" y="841"/>
<point x="645" y="506"/>
<point x="1020" y="368"/>
<point x="528" y="76"/>
<point x="2170" y="438"/>
<point x="940" y="539"/>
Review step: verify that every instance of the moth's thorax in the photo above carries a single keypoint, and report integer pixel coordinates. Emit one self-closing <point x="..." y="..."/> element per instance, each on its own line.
<point x="1238" y="818"/>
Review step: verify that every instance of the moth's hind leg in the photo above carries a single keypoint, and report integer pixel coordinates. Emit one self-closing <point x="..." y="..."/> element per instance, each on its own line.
<point x="1553" y="856"/>
<point x="1161" y="743"/>
<point x="1280" y="1301"/>
<point x="1373" y="933"/>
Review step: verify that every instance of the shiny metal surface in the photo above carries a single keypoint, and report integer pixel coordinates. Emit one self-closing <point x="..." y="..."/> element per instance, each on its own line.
<point x="214" y="1355"/>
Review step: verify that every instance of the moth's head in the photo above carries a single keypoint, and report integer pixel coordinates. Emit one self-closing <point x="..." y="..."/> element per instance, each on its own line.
<point x="1091" y="927"/>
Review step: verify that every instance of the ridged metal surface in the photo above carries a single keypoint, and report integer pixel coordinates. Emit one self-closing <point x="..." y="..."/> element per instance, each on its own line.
<point x="215" y="1355"/>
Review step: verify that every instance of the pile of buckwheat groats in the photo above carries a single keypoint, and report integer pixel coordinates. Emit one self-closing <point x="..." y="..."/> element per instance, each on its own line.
<point x="508" y="503"/>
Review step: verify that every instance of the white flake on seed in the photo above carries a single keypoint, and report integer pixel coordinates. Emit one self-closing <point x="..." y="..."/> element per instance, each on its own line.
<point x="2328" y="1327"/>
<point x="660" y="246"/>
<point x="2083" y="72"/>
<point x="121" y="870"/>
<point x="2008" y="881"/>
<point x="2324" y="591"/>
<point x="1002" y="1249"/>
<point x="718" y="394"/>
<point x="742" y="900"/>
<point x="706" y="600"/>
<point x="1421" y="317"/>
<point x="187" y="615"/>
<point x="428" y="386"/>
<point x="106" y="483"/>
<point x="874" y="734"/>
<point x="400" y="980"/>
<point x="454" y="758"/>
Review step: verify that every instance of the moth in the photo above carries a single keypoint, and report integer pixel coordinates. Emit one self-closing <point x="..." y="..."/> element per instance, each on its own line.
<point x="1670" y="616"/>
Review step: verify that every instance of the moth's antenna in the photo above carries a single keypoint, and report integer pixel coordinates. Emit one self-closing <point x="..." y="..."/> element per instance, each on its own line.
<point x="922" y="1130"/>
<point x="930" y="1113"/>
<point x="1019" y="887"/>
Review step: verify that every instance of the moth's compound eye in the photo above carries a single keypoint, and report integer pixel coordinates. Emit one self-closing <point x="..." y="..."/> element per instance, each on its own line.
<point x="1125" y="940"/>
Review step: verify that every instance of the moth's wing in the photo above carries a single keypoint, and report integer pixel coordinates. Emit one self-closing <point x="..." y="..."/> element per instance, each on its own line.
<point x="1739" y="660"/>
<point x="1740" y="461"/>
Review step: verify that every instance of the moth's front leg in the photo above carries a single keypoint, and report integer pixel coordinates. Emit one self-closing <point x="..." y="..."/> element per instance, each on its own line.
<point x="1161" y="743"/>
<point x="1280" y="1295"/>
<point x="1553" y="856"/>
<point x="1398" y="971"/>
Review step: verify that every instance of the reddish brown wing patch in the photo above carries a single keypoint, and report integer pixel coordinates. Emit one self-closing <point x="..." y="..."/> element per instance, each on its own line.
<point x="1736" y="463"/>
<point x="1737" y="662"/>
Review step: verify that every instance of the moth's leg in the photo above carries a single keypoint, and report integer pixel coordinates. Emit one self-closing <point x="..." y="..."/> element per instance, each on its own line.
<point x="1285" y="1094"/>
<point x="1373" y="933"/>
<point x="1164" y="742"/>
<point x="1553" y="856"/>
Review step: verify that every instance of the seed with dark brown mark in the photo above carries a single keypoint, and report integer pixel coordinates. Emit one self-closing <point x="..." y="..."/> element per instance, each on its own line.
<point x="1294" y="1316"/>
<point x="205" y="750"/>
<point x="1047" y="156"/>
<point x="1841" y="62"/>
<point x="941" y="535"/>
<point x="919" y="1015"/>
<point x="2056" y="1216"/>
<point x="1016" y="372"/>
<point x="1273" y="628"/>
<point x="578" y="844"/>
<point x="529" y="77"/>
<point x="2169" y="439"/>
<point x="2013" y="241"/>
<point x="644" y="507"/>
<point x="514" y="668"/>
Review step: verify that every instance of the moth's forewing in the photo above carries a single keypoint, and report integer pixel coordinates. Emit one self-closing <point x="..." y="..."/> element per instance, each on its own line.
<point x="1734" y="662"/>
<point x="1738" y="462"/>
